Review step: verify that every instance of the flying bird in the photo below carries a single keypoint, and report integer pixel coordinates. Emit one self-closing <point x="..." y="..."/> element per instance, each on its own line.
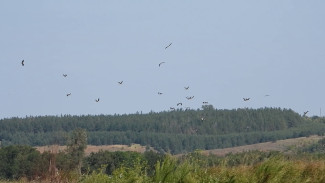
<point x="159" y="93"/>
<point x="305" y="113"/>
<point x="187" y="87"/>
<point x="180" y="103"/>
<point x="246" y="99"/>
<point x="120" y="82"/>
<point x="65" y="75"/>
<point x="172" y="108"/>
<point x="189" y="98"/>
<point x="168" y="45"/>
<point x="97" y="100"/>
<point x="266" y="95"/>
<point x="68" y="94"/>
<point x="161" y="63"/>
<point x="22" y="62"/>
<point x="205" y="102"/>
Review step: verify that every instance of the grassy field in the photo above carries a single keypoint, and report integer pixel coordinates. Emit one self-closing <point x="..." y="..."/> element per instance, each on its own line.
<point x="280" y="145"/>
<point x="91" y="148"/>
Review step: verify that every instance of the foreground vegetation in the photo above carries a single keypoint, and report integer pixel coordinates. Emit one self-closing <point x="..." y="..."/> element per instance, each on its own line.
<point x="25" y="164"/>
<point x="179" y="131"/>
<point x="273" y="169"/>
<point x="256" y="167"/>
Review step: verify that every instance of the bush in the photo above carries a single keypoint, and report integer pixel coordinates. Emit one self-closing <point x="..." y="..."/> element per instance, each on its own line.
<point x="18" y="161"/>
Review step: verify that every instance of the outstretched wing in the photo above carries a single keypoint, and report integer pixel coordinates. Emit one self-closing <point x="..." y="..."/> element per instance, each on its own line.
<point x="168" y="45"/>
<point x="161" y="63"/>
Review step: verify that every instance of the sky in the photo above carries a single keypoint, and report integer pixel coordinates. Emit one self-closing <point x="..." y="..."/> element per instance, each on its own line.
<point x="269" y="51"/>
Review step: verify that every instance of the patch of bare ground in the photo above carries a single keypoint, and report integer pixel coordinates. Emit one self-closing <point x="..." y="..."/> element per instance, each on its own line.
<point x="279" y="145"/>
<point x="91" y="148"/>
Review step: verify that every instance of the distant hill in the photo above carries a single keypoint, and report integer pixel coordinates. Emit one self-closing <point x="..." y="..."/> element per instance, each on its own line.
<point x="168" y="131"/>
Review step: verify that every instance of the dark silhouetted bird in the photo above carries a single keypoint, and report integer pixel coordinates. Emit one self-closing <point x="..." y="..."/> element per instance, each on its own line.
<point x="68" y="94"/>
<point x="172" y="108"/>
<point x="97" y="100"/>
<point x="180" y="103"/>
<point x="205" y="102"/>
<point x="22" y="62"/>
<point x="120" y="82"/>
<point x="189" y="98"/>
<point x="65" y="75"/>
<point x="305" y="113"/>
<point x="168" y="45"/>
<point x="186" y="88"/>
<point x="159" y="93"/>
<point x="161" y="63"/>
<point x="246" y="99"/>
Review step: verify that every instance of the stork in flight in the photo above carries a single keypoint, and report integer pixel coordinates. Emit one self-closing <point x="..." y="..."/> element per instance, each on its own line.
<point x="189" y="98"/>
<point x="205" y="102"/>
<point x="187" y="87"/>
<point x="168" y="45"/>
<point x="120" y="82"/>
<point x="172" y="108"/>
<point x="159" y="93"/>
<point x="68" y="94"/>
<point x="246" y="99"/>
<point x="305" y="113"/>
<point x="180" y="103"/>
<point x="65" y="75"/>
<point x="97" y="100"/>
<point x="22" y="62"/>
<point x="161" y="63"/>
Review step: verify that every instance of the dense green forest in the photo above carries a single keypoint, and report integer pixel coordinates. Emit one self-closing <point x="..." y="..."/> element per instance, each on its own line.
<point x="176" y="131"/>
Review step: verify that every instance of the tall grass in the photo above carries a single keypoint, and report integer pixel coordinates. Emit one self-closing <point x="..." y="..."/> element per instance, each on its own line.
<point x="194" y="168"/>
<point x="276" y="169"/>
<point x="273" y="170"/>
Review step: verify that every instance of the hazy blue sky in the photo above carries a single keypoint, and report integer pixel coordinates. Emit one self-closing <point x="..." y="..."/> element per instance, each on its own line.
<point x="223" y="50"/>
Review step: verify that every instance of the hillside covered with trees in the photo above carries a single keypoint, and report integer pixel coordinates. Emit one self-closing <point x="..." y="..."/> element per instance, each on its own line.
<point x="169" y="131"/>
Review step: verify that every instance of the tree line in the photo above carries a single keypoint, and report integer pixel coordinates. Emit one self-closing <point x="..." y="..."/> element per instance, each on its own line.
<point x="168" y="131"/>
<point x="22" y="161"/>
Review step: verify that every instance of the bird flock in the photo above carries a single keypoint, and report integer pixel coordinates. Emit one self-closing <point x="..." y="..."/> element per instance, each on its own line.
<point x="160" y="93"/>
